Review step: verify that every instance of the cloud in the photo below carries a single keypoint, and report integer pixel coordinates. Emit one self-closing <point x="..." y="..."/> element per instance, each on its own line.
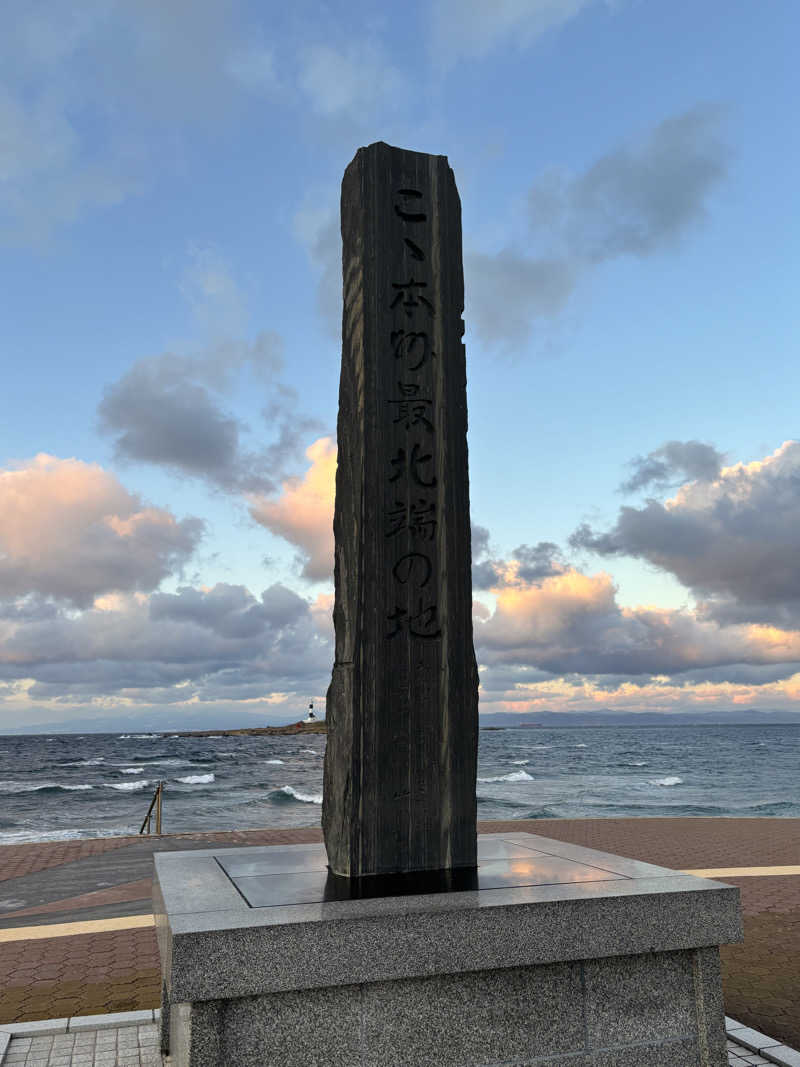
<point x="318" y="229"/>
<point x="539" y="561"/>
<point x="70" y="530"/>
<point x="571" y="623"/>
<point x="528" y="564"/>
<point x="351" y="81"/>
<point x="733" y="541"/>
<point x="687" y="460"/>
<point x="92" y="94"/>
<point x="192" y="646"/>
<point x="303" y="513"/>
<point x="505" y="291"/>
<point x="169" y="410"/>
<point x="567" y="694"/>
<point x="253" y="66"/>
<point x="465" y="29"/>
<point x="636" y="200"/>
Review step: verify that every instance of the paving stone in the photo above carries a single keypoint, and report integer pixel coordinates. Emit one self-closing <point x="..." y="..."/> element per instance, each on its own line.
<point x="761" y="978"/>
<point x="754" y="1040"/>
<point x="786" y="1057"/>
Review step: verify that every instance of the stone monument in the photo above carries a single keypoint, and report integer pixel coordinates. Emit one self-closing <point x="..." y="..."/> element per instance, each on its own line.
<point x="402" y="708"/>
<point x="412" y="943"/>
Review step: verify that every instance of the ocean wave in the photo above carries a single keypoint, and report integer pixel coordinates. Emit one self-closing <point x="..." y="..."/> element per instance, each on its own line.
<point x="540" y="748"/>
<point x="307" y="752"/>
<point x="130" y="787"/>
<point x="137" y="737"/>
<point x="22" y="837"/>
<point x="671" y="779"/>
<point x="168" y="763"/>
<point x="634" y="763"/>
<point x="540" y="813"/>
<point x="131" y="770"/>
<point x="512" y="776"/>
<point x="274" y="761"/>
<point x="84" y="762"/>
<point x="520" y="762"/>
<point x="773" y="808"/>
<point x="41" y="787"/>
<point x="581" y="745"/>
<point x="196" y="779"/>
<point x="287" y="793"/>
<point x="514" y="806"/>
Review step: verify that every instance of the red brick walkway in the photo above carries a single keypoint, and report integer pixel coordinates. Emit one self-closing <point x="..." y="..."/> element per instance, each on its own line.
<point x="119" y="971"/>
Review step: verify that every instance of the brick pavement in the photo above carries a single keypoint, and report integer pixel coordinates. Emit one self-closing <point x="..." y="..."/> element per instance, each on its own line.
<point x="119" y="971"/>
<point x="82" y="975"/>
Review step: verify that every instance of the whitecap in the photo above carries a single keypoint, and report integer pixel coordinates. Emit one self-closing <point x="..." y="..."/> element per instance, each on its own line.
<point x="520" y="762"/>
<point x="581" y="746"/>
<point x="85" y="762"/>
<point x="308" y="752"/>
<point x="635" y="763"/>
<point x="512" y="776"/>
<point x="23" y="787"/>
<point x="171" y="763"/>
<point x="14" y="837"/>
<point x="38" y="787"/>
<point x="315" y="798"/>
<point x="196" y="779"/>
<point x="671" y="779"/>
<point x="131" y="770"/>
<point x="137" y="737"/>
<point x="274" y="761"/>
<point x="130" y="787"/>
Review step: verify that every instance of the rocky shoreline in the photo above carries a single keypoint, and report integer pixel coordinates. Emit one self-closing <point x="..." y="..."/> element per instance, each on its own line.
<point x="256" y="731"/>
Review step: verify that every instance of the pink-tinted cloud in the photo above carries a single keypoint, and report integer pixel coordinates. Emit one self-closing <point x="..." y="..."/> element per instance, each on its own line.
<point x="70" y="530"/>
<point x="571" y="623"/>
<point x="303" y="513"/>
<point x="566" y="694"/>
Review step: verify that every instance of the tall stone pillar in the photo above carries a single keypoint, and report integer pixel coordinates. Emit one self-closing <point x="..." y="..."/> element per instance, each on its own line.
<point x="402" y="707"/>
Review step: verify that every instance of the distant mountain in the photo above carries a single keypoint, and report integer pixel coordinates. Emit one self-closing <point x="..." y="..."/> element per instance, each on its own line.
<point x="605" y="717"/>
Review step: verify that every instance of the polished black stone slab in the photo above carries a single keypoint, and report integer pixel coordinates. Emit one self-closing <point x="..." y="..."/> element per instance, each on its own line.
<point x="274" y="876"/>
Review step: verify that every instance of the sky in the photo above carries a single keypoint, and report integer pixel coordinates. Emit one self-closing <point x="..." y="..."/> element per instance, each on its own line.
<point x="170" y="297"/>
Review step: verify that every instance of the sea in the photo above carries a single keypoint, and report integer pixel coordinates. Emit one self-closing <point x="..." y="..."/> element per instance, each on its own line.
<point x="72" y="786"/>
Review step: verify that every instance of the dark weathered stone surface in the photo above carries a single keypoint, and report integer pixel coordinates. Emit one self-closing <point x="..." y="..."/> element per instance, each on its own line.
<point x="402" y="707"/>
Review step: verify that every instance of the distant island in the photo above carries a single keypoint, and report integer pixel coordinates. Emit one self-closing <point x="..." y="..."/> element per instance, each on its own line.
<point x="318" y="727"/>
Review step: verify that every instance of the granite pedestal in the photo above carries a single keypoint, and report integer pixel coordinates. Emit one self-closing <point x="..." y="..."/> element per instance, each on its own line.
<point x="549" y="954"/>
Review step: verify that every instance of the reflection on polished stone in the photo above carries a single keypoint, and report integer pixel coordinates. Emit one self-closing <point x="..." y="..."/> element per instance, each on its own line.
<point x="274" y="876"/>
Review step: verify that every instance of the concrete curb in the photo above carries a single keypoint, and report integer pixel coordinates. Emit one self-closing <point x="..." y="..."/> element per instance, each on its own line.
<point x="766" y="1047"/>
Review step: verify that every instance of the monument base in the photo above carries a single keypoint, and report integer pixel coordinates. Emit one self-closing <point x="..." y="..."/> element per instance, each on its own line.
<point x="561" y="955"/>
